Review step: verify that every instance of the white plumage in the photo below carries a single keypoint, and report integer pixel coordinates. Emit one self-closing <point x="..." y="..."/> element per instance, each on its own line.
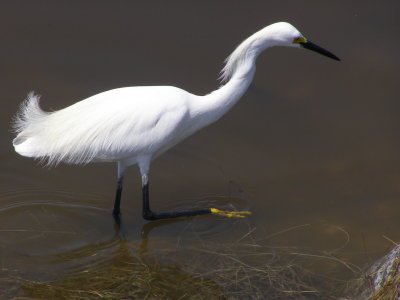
<point x="105" y="127"/>
<point x="133" y="125"/>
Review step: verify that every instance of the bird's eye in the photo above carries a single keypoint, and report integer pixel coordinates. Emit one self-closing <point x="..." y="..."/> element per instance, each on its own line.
<point x="300" y="39"/>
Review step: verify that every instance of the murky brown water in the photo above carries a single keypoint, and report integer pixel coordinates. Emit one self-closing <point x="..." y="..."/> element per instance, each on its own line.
<point x="312" y="142"/>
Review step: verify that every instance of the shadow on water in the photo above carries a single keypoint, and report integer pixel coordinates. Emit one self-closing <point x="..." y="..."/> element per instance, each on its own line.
<point x="151" y="268"/>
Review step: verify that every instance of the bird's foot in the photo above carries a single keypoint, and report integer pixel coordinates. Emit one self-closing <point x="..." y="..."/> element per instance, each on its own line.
<point x="230" y="214"/>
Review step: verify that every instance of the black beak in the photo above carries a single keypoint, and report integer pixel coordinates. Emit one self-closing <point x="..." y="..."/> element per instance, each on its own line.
<point x="311" y="46"/>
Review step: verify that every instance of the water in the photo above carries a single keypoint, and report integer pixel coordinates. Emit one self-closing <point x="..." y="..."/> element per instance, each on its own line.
<point x="311" y="149"/>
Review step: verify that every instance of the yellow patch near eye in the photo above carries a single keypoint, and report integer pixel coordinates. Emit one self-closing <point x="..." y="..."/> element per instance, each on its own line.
<point x="299" y="40"/>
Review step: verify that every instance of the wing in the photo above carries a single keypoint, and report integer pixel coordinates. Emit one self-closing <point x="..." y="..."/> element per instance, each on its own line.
<point x="110" y="126"/>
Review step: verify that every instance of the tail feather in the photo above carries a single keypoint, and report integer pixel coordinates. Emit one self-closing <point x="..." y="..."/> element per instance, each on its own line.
<point x="28" y="114"/>
<point x="28" y="118"/>
<point x="71" y="135"/>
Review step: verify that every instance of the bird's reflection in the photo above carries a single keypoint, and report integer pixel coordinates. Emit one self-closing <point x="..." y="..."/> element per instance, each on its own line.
<point x="146" y="230"/>
<point x="121" y="233"/>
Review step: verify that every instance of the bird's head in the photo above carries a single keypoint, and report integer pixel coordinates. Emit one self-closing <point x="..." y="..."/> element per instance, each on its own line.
<point x="285" y="34"/>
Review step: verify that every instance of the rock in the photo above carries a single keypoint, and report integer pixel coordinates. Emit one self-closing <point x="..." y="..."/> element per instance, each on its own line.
<point x="381" y="280"/>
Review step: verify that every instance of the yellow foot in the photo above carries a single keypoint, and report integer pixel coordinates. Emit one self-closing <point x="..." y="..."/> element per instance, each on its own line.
<point x="230" y="214"/>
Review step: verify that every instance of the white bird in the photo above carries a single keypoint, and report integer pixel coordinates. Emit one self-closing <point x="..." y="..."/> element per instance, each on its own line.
<point x="134" y="125"/>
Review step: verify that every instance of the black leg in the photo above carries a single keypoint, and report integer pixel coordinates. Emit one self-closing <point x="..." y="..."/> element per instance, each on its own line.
<point x="150" y="215"/>
<point x="117" y="203"/>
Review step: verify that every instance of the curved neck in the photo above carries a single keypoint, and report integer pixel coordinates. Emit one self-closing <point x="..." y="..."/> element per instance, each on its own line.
<point x="214" y="105"/>
<point x="238" y="72"/>
<point x="220" y="101"/>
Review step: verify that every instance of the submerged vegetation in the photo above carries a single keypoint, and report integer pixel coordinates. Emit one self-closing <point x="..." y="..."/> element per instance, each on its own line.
<point x="212" y="271"/>
<point x="247" y="268"/>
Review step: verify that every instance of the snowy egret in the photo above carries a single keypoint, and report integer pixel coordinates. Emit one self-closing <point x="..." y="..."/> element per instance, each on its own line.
<point x="134" y="125"/>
